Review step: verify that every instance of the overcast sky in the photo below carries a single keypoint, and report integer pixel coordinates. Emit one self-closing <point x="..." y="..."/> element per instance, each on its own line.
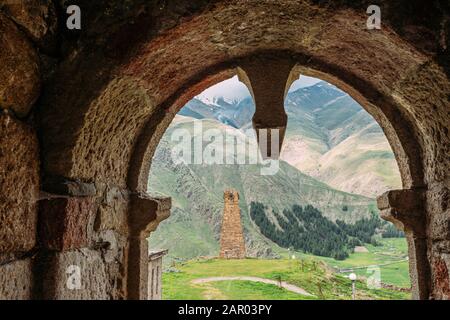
<point x="234" y="89"/>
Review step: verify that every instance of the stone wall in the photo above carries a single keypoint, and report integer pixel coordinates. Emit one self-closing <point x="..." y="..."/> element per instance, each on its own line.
<point x="19" y="178"/>
<point x="83" y="242"/>
<point x="438" y="231"/>
<point x="23" y="27"/>
<point x="232" y="245"/>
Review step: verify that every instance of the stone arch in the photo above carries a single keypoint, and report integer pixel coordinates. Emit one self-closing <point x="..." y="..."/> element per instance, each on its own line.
<point x="394" y="125"/>
<point x="399" y="131"/>
<point x="97" y="127"/>
<point x="135" y="80"/>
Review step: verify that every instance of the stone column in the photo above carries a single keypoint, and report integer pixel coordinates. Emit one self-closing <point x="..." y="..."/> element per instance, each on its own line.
<point x="406" y="209"/>
<point x="155" y="274"/>
<point x="268" y="79"/>
<point x="144" y="217"/>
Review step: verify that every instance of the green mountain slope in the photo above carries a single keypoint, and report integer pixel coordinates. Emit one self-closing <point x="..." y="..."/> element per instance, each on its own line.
<point x="329" y="136"/>
<point x="197" y="191"/>
<point x="339" y="143"/>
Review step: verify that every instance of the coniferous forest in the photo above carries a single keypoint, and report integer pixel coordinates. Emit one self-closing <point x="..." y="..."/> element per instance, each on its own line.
<point x="306" y="229"/>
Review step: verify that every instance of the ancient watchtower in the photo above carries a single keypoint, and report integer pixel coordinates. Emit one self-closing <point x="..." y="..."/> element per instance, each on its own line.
<point x="232" y="244"/>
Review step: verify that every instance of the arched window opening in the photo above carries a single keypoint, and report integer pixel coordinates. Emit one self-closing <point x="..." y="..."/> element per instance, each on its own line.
<point x="316" y="211"/>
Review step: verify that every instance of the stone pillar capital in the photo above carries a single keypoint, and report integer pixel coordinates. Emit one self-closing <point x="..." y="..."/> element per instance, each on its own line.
<point x="268" y="79"/>
<point x="146" y="214"/>
<point x="405" y="209"/>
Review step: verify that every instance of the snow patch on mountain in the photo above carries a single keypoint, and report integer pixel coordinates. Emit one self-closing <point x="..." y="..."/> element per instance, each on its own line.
<point x="230" y="91"/>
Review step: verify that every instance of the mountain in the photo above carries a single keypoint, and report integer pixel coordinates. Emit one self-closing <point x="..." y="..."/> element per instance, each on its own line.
<point x="197" y="194"/>
<point x="329" y="136"/>
<point x="235" y="113"/>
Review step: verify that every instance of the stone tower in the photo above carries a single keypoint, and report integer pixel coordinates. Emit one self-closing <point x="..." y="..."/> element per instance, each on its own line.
<point x="232" y="245"/>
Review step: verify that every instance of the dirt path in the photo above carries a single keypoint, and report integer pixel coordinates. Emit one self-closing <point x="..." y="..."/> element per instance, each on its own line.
<point x="284" y="285"/>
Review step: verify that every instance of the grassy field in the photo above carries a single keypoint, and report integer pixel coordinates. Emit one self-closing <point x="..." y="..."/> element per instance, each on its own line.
<point x="391" y="257"/>
<point x="310" y="274"/>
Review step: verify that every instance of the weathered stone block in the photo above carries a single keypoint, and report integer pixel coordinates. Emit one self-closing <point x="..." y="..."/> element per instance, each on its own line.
<point x="147" y="213"/>
<point x="66" y="223"/>
<point x="16" y="280"/>
<point x="19" y="69"/>
<point x="19" y="184"/>
<point x="112" y="212"/>
<point x="36" y="17"/>
<point x="439" y="226"/>
<point x="438" y="209"/>
<point x="441" y="276"/>
<point x="78" y="274"/>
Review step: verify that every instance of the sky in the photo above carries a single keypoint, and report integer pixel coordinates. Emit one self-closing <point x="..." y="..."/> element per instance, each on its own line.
<point x="232" y="88"/>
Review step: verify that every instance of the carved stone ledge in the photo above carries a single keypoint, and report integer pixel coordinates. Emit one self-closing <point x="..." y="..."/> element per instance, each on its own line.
<point x="146" y="213"/>
<point x="404" y="208"/>
<point x="404" y="199"/>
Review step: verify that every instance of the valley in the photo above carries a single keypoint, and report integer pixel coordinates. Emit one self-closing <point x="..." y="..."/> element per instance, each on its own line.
<point x="312" y="274"/>
<point x="329" y="137"/>
<point x="335" y="158"/>
<point x="197" y="204"/>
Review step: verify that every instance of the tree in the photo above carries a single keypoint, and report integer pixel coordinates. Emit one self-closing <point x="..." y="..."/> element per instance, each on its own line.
<point x="306" y="229"/>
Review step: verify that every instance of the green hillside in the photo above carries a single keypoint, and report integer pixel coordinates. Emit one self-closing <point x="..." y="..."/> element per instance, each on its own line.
<point x="329" y="136"/>
<point x="197" y="191"/>
<point x="331" y="145"/>
<point x="338" y="142"/>
<point x="307" y="273"/>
